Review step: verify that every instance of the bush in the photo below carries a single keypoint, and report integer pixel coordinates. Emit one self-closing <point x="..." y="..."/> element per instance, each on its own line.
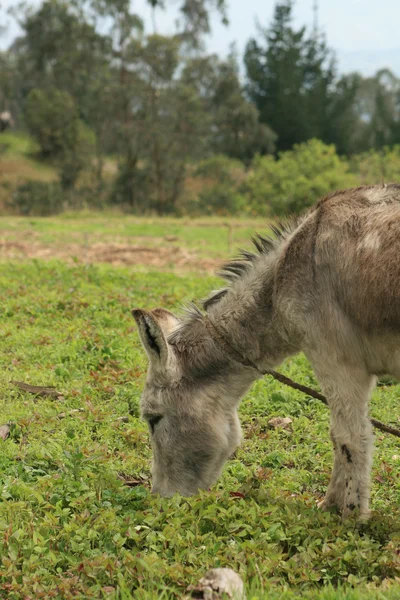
<point x="214" y="188"/>
<point x="377" y="166"/>
<point x="38" y="198"/>
<point x="296" y="179"/>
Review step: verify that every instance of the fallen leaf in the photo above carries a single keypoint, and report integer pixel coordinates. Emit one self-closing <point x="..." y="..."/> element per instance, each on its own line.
<point x="236" y="495"/>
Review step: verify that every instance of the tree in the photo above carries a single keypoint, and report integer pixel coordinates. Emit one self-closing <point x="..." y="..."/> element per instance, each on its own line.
<point x="234" y="125"/>
<point x="195" y="18"/>
<point x="6" y="81"/>
<point x="289" y="76"/>
<point x="344" y="124"/>
<point x="162" y="124"/>
<point x="378" y="102"/>
<point x="52" y="119"/>
<point x="61" y="51"/>
<point x="10" y="85"/>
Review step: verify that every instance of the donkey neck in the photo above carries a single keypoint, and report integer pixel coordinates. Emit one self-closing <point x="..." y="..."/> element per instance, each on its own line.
<point x="245" y="321"/>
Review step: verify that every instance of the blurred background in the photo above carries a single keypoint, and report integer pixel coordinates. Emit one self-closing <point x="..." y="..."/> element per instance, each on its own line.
<point x="195" y="107"/>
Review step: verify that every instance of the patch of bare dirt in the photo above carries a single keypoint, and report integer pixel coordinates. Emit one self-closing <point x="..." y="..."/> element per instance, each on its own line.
<point x="162" y="257"/>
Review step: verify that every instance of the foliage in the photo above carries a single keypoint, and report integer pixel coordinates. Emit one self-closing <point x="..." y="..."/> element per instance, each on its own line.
<point x="71" y="528"/>
<point x="7" y="82"/>
<point x="344" y="124"/>
<point x="220" y="179"/>
<point x="129" y="89"/>
<point x="38" y="198"/>
<point x="163" y="130"/>
<point x="289" y="79"/>
<point x="234" y="124"/>
<point x="378" y="103"/>
<point x="296" y="179"/>
<point x="52" y="118"/>
<point x="377" y="166"/>
<point x="126" y="116"/>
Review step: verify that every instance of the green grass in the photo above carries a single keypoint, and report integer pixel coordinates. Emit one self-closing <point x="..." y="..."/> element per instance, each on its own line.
<point x="209" y="237"/>
<point x="70" y="528"/>
<point x="18" y="144"/>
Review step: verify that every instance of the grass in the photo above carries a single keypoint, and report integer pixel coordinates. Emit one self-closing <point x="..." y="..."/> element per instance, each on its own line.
<point x="17" y="144"/>
<point x="213" y="237"/>
<point x="71" y="528"/>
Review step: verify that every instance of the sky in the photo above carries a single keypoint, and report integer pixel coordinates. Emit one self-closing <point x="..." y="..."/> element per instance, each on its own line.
<point x="364" y="35"/>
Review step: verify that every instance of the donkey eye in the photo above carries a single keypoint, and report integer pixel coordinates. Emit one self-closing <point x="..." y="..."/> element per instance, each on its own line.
<point x="153" y="421"/>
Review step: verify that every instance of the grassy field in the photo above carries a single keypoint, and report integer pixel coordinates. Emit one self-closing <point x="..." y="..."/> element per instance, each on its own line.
<point x="76" y="516"/>
<point x="208" y="237"/>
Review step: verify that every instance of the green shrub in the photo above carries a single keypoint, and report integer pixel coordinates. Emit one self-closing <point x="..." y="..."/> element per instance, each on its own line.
<point x="296" y="179"/>
<point x="216" y="185"/>
<point x="38" y="198"/>
<point x="377" y="166"/>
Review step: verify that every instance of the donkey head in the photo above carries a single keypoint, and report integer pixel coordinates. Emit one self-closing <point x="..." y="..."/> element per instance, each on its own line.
<point x="190" y="404"/>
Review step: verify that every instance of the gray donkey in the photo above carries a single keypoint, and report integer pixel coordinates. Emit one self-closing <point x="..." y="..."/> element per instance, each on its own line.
<point x="327" y="285"/>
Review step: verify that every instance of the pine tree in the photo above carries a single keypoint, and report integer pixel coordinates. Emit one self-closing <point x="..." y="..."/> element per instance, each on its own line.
<point x="289" y="76"/>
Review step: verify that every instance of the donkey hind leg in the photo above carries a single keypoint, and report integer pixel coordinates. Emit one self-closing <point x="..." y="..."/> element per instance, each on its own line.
<point x="348" y="391"/>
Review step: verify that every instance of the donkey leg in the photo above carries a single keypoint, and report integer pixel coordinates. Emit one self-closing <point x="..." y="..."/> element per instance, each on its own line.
<point x="348" y="391"/>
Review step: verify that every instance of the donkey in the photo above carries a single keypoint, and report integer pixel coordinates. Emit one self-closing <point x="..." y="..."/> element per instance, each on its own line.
<point x="328" y="285"/>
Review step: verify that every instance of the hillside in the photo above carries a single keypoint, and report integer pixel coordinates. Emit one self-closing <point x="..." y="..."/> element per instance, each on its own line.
<point x="19" y="162"/>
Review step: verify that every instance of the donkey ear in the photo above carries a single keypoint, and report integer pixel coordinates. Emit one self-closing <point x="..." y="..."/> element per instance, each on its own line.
<point x="152" y="336"/>
<point x="166" y="319"/>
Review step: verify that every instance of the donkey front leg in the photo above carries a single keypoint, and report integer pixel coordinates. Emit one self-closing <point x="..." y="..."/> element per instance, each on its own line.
<point x="348" y="391"/>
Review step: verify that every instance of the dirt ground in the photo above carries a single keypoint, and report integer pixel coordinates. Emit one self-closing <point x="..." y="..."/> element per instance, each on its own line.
<point x="168" y="257"/>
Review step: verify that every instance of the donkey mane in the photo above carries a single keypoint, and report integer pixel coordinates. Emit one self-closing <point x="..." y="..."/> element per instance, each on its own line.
<point x="234" y="270"/>
<point x="242" y="264"/>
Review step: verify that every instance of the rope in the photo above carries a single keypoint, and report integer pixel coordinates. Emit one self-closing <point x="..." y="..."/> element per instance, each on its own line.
<point x="310" y="392"/>
<point x="237" y="356"/>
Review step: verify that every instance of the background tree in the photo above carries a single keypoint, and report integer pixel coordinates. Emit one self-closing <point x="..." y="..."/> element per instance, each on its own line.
<point x="53" y="120"/>
<point x="343" y="125"/>
<point x="235" y="127"/>
<point x="60" y="50"/>
<point x="164" y="126"/>
<point x="378" y="106"/>
<point x="195" y="18"/>
<point x="289" y="75"/>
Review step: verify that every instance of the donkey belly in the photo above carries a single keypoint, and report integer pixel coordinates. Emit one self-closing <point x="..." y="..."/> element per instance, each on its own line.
<point x="382" y="355"/>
